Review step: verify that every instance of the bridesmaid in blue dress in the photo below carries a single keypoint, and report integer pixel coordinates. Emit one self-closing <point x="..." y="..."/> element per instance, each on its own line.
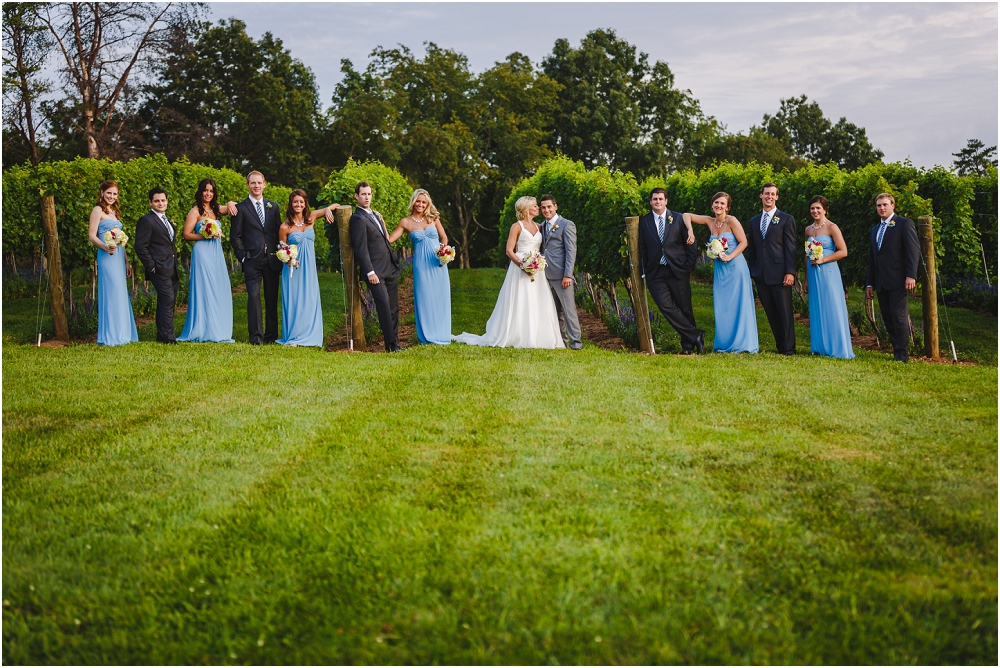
<point x="732" y="292"/>
<point x="115" y="323"/>
<point x="210" y="295"/>
<point x="302" y="314"/>
<point x="829" y="328"/>
<point x="431" y="284"/>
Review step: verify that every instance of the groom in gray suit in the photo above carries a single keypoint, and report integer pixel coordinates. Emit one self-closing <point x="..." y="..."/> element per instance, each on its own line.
<point x="559" y="249"/>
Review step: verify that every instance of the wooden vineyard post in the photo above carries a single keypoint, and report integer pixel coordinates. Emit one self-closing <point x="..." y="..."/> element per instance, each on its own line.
<point x="925" y="229"/>
<point x="55" y="267"/>
<point x="355" y="325"/>
<point x="638" y="286"/>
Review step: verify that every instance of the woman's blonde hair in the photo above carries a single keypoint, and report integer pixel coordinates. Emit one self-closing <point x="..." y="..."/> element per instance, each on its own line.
<point x="431" y="212"/>
<point x="522" y="205"/>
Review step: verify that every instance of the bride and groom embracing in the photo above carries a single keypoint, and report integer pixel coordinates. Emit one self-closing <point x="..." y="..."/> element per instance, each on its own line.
<point x="535" y="312"/>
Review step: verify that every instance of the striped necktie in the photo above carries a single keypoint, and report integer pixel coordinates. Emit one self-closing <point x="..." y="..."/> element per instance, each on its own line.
<point x="764" y="220"/>
<point x="260" y="213"/>
<point x="881" y="233"/>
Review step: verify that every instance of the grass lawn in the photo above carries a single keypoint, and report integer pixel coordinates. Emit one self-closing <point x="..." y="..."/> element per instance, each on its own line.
<point x="228" y="504"/>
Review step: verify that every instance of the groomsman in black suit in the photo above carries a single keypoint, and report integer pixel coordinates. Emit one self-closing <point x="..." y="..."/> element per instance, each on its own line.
<point x="893" y="255"/>
<point x="253" y="234"/>
<point x="771" y="255"/>
<point x="154" y="245"/>
<point x="668" y="253"/>
<point x="378" y="263"/>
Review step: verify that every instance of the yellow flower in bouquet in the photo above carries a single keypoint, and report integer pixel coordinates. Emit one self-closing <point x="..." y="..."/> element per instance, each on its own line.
<point x="210" y="229"/>
<point x="814" y="250"/>
<point x="115" y="237"/>
<point x="287" y="253"/>
<point x="717" y="247"/>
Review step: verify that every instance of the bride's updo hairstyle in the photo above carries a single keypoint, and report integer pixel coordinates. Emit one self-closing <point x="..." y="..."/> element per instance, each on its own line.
<point x="729" y="200"/>
<point x="522" y="205"/>
<point x="431" y="212"/>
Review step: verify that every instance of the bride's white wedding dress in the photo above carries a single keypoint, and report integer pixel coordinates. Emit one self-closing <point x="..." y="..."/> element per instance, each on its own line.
<point x="525" y="314"/>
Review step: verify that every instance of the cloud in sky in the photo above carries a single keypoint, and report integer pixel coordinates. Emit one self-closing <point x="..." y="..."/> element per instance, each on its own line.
<point x="920" y="77"/>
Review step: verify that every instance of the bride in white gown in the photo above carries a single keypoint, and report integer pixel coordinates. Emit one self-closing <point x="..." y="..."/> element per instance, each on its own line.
<point x="525" y="315"/>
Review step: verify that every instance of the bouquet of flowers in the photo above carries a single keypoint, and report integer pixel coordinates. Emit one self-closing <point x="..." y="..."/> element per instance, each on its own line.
<point x="115" y="237"/>
<point x="288" y="254"/>
<point x="210" y="229"/>
<point x="445" y="254"/>
<point x="533" y="263"/>
<point x="814" y="250"/>
<point x="717" y="247"/>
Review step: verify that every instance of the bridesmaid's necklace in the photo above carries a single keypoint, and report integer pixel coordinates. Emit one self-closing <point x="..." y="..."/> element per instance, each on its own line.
<point x="417" y="220"/>
<point x="719" y="225"/>
<point x="301" y="224"/>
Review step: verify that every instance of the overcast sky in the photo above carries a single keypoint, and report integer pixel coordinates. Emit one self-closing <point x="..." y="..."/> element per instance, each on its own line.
<point x="921" y="78"/>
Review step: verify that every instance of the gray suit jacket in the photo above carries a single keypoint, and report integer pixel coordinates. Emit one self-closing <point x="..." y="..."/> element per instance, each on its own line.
<point x="559" y="249"/>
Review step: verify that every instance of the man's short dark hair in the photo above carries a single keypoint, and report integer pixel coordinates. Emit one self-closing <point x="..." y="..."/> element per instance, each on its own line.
<point x="546" y="198"/>
<point x="657" y="190"/>
<point x="156" y="191"/>
<point x="768" y="185"/>
<point x="363" y="184"/>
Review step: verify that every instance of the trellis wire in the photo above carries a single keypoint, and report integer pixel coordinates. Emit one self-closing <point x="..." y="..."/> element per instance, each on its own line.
<point x="40" y="300"/>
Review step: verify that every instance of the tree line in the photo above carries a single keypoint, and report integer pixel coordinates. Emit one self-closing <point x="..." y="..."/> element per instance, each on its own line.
<point x="139" y="79"/>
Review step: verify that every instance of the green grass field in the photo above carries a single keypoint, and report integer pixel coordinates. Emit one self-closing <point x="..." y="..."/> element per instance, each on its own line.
<point x="226" y="504"/>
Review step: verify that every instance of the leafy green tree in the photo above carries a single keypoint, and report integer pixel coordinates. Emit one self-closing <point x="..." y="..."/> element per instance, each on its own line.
<point x="514" y="105"/>
<point x="27" y="42"/>
<point x="847" y="146"/>
<point x="755" y="146"/>
<point x="806" y="133"/>
<point x="618" y="111"/>
<point x="101" y="46"/>
<point x="599" y="118"/>
<point x="236" y="102"/>
<point x="975" y="159"/>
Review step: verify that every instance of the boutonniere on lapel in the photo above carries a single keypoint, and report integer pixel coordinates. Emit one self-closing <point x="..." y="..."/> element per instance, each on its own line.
<point x="891" y="223"/>
<point x="554" y="227"/>
<point x="775" y="220"/>
<point x="670" y="220"/>
<point x="267" y="204"/>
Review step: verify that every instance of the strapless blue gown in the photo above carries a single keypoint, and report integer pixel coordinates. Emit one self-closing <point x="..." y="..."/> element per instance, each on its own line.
<point x="431" y="289"/>
<point x="829" y="328"/>
<point x="735" y="313"/>
<point x="115" y="322"/>
<point x="210" y="296"/>
<point x="300" y="308"/>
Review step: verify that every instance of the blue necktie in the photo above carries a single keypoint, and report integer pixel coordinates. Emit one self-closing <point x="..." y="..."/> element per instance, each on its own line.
<point x="661" y="230"/>
<point x="260" y="214"/>
<point x="881" y="233"/>
<point x="763" y="225"/>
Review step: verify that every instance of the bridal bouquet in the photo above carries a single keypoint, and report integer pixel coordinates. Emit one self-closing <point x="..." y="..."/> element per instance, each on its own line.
<point x="445" y="254"/>
<point x="288" y="254"/>
<point x="533" y="263"/>
<point x="814" y="250"/>
<point x="717" y="247"/>
<point x="115" y="237"/>
<point x="210" y="229"/>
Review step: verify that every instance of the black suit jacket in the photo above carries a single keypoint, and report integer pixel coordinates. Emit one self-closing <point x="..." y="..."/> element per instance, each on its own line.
<point x="154" y="248"/>
<point x="680" y="255"/>
<point x="251" y="240"/>
<point x="773" y="256"/>
<point x="372" y="251"/>
<point x="889" y="268"/>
